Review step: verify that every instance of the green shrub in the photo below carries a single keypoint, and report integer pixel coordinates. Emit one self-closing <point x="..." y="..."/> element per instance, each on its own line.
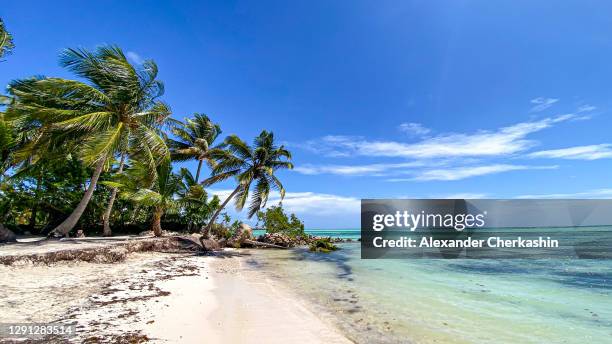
<point x="226" y="228"/>
<point x="275" y="220"/>
<point x="324" y="245"/>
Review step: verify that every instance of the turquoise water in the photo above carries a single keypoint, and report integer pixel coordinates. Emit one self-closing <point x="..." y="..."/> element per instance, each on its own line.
<point x="450" y="301"/>
<point x="334" y="233"/>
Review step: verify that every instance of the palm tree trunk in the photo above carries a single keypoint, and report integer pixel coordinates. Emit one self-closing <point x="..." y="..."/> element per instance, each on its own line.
<point x="35" y="206"/>
<point x="134" y="214"/>
<point x="109" y="208"/>
<point x="206" y="231"/>
<point x="65" y="227"/>
<point x="198" y="171"/>
<point x="156" y="222"/>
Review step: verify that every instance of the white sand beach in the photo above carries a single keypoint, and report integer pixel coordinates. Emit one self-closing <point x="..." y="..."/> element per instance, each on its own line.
<point x="161" y="297"/>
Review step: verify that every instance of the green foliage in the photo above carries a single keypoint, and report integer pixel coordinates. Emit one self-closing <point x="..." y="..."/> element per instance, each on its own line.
<point x="195" y="139"/>
<point x="50" y="189"/>
<point x="6" y="41"/>
<point x="197" y="208"/>
<point x="324" y="245"/>
<point x="7" y="142"/>
<point x="54" y="131"/>
<point x="250" y="166"/>
<point x="226" y="228"/>
<point x="275" y="220"/>
<point x="115" y="110"/>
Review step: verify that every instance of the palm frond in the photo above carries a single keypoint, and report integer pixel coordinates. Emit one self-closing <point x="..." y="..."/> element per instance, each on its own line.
<point x="103" y="145"/>
<point x="259" y="197"/>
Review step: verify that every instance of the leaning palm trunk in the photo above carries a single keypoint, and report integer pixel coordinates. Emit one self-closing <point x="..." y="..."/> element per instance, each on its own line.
<point x="109" y="208"/>
<point x="65" y="227"/>
<point x="197" y="178"/>
<point x="208" y="227"/>
<point x="156" y="222"/>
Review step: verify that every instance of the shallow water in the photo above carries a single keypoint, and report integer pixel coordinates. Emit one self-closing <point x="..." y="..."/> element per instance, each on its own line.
<point x="334" y="233"/>
<point x="451" y="301"/>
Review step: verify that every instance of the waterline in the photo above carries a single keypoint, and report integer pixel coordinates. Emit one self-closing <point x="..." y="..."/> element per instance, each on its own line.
<point x="456" y="301"/>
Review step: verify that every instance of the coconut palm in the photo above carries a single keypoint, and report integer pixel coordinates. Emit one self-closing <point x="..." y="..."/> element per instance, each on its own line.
<point x="6" y="134"/>
<point x="6" y="41"/>
<point x="7" y="141"/>
<point x="160" y="196"/>
<point x="113" y="114"/>
<point x="196" y="207"/>
<point x="195" y="141"/>
<point x="250" y="166"/>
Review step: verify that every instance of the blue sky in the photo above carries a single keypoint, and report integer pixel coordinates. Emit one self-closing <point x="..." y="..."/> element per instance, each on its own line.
<point x="376" y="99"/>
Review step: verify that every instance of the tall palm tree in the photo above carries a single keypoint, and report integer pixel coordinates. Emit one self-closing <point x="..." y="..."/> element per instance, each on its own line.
<point x="195" y="141"/>
<point x="6" y="41"/>
<point x="250" y="166"/>
<point x="7" y="142"/>
<point x="114" y="113"/>
<point x="6" y="135"/>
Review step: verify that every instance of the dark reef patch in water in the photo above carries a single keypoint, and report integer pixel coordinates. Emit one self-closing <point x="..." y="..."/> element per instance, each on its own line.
<point x="489" y="267"/>
<point x="586" y="279"/>
<point x="563" y="272"/>
<point x="338" y="258"/>
<point x="256" y="263"/>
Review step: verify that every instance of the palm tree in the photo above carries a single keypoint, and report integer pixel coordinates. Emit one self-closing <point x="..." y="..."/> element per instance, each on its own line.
<point x="6" y="139"/>
<point x="114" y="113"/>
<point x="196" y="207"/>
<point x="6" y="134"/>
<point x="161" y="196"/>
<point x="7" y="142"/>
<point x="195" y="140"/>
<point x="249" y="166"/>
<point x="6" y="41"/>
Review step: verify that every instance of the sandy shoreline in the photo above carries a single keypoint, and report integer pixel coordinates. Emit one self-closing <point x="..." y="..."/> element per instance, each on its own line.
<point x="161" y="297"/>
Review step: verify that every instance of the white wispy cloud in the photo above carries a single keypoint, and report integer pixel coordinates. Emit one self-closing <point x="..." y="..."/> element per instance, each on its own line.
<point x="596" y="193"/>
<point x="415" y="129"/>
<point x="590" y="152"/>
<point x="356" y="170"/>
<point x="301" y="203"/>
<point x="134" y="57"/>
<point x="542" y="103"/>
<point x="320" y="203"/>
<point x="586" y="108"/>
<point x="458" y="173"/>
<point x="461" y="195"/>
<point x="503" y="141"/>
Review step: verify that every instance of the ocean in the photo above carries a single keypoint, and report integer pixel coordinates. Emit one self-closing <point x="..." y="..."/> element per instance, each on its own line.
<point x="449" y="301"/>
<point x="334" y="233"/>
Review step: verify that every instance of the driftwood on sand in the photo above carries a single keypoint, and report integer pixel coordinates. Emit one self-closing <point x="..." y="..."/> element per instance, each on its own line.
<point x="243" y="236"/>
<point x="242" y="233"/>
<point x="262" y="244"/>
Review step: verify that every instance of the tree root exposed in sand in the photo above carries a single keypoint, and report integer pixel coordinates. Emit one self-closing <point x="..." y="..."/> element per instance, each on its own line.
<point x="111" y="253"/>
<point x="262" y="244"/>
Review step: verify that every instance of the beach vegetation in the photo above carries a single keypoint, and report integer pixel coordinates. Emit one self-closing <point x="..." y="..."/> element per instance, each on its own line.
<point x="194" y="141"/>
<point x="97" y="153"/>
<point x="275" y="220"/>
<point x="252" y="167"/>
<point x="113" y="113"/>
<point x="324" y="245"/>
<point x="226" y="228"/>
<point x="6" y="41"/>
